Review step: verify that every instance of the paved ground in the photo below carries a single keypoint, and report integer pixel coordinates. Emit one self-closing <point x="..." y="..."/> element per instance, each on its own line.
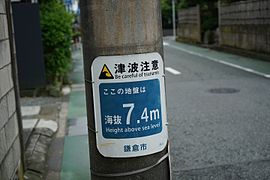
<point x="75" y="163"/>
<point x="40" y="123"/>
<point x="219" y="116"/>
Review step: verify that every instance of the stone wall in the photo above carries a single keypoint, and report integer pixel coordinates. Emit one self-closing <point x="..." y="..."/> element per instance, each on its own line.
<point x="9" y="136"/>
<point x="245" y="25"/>
<point x="189" y="25"/>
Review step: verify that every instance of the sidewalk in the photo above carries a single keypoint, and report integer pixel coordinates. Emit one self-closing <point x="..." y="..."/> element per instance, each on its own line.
<point x="40" y="123"/>
<point x="75" y="164"/>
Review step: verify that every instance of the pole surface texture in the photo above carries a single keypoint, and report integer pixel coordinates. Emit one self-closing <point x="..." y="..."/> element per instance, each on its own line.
<point x="119" y="28"/>
<point x="173" y="18"/>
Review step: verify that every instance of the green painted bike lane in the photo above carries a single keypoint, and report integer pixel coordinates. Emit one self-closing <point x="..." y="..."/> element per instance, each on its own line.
<point x="252" y="65"/>
<point x="75" y="164"/>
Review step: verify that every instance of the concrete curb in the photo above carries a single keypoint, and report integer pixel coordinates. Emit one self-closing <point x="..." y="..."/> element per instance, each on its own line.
<point x="42" y="134"/>
<point x="36" y="153"/>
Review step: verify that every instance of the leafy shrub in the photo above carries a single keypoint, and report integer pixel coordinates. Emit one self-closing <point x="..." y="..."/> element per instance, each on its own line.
<point x="209" y="16"/>
<point x="209" y="12"/>
<point x="166" y="8"/>
<point x="56" y="26"/>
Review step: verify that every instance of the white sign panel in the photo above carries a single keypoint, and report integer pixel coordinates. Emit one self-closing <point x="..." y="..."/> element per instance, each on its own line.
<point x="129" y="104"/>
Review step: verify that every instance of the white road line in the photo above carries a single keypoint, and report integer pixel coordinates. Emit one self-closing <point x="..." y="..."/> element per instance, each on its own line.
<point x="173" y="71"/>
<point x="221" y="61"/>
<point x="165" y="44"/>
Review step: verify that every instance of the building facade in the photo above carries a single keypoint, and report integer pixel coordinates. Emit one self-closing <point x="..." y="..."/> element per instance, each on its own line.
<point x="10" y="148"/>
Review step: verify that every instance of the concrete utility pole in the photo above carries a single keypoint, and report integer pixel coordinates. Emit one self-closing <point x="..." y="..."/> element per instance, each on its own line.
<point x="124" y="74"/>
<point x="173" y="18"/>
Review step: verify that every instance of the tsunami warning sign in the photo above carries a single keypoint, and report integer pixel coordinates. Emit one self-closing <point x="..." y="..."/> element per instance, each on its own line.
<point x="129" y="104"/>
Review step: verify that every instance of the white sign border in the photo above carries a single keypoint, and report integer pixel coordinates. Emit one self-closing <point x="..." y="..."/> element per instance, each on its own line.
<point x="110" y="147"/>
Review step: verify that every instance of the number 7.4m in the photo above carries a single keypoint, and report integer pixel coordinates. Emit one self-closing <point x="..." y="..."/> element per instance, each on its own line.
<point x="146" y="115"/>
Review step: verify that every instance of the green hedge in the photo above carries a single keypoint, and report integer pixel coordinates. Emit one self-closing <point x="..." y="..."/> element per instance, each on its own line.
<point x="166" y="7"/>
<point x="56" y="26"/>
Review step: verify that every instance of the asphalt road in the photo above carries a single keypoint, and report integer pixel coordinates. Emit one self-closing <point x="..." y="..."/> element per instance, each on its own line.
<point x="219" y="120"/>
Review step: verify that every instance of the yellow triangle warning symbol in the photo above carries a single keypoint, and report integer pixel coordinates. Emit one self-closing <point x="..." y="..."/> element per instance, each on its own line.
<point x="105" y="73"/>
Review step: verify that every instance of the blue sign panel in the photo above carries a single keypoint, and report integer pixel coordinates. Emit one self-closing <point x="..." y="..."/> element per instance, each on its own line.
<point x="131" y="109"/>
<point x="68" y="2"/>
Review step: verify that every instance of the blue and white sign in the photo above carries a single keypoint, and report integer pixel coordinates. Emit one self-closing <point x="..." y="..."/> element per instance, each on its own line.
<point x="129" y="103"/>
<point x="129" y="117"/>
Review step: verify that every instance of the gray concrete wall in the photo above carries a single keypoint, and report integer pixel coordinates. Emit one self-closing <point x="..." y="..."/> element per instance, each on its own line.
<point x="246" y="25"/>
<point x="189" y="25"/>
<point x="9" y="138"/>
